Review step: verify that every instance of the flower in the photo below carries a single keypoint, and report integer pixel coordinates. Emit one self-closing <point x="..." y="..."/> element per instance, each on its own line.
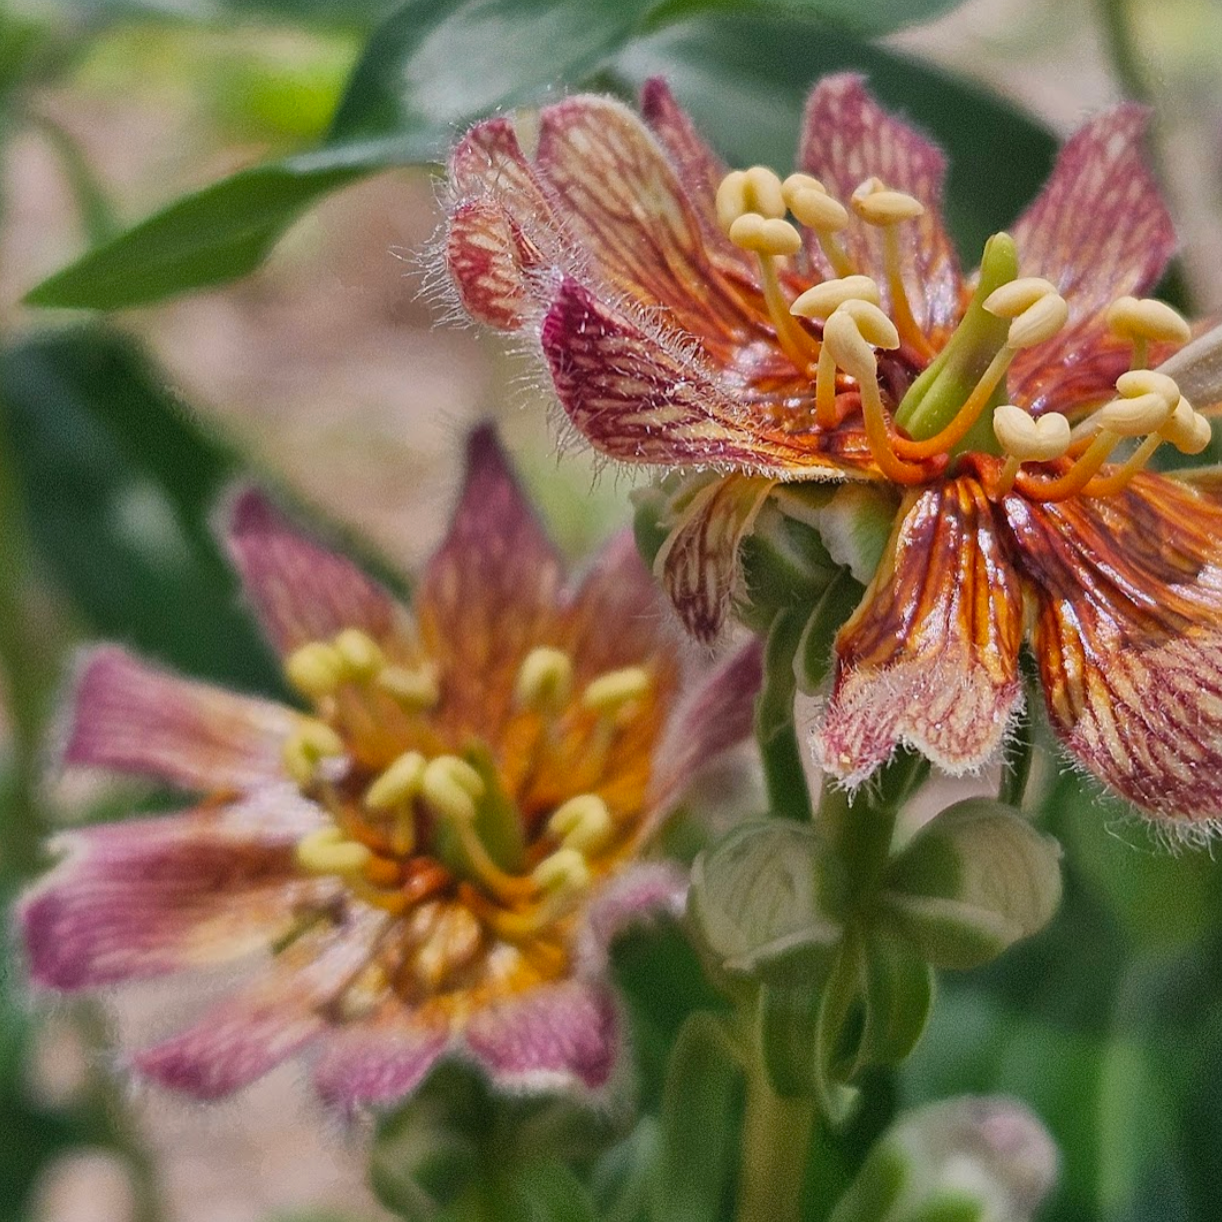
<point x="437" y="856"/>
<point x="687" y="323"/>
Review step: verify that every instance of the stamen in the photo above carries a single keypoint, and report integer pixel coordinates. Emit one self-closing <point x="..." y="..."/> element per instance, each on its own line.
<point x="755" y="190"/>
<point x="360" y="654"/>
<point x="885" y="209"/>
<point x="398" y="784"/>
<point x="328" y="851"/>
<point x="413" y="690"/>
<point x="610" y="692"/>
<point x="545" y="680"/>
<point x="451" y="787"/>
<point x="1026" y="438"/>
<point x="1143" y="321"/>
<point x="583" y="823"/>
<point x="851" y="334"/>
<point x="315" y="670"/>
<point x="809" y="201"/>
<point x="820" y="302"/>
<point x="1186" y="429"/>
<point x="307" y="746"/>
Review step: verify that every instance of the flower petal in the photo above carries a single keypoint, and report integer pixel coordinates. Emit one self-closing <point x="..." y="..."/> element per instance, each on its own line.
<point x="698" y="563"/>
<point x="485" y="262"/>
<point x="148" y="896"/>
<point x="629" y="214"/>
<point x="379" y="1061"/>
<point x="131" y="717"/>
<point x="247" y="1035"/>
<point x="1098" y="230"/>
<point x="847" y="138"/>
<point x="301" y="590"/>
<point x="640" y="893"/>
<point x="637" y="393"/>
<point x="489" y="593"/>
<point x="1129" y="637"/>
<point x="557" y="1037"/>
<point x="717" y="714"/>
<point x="931" y="656"/>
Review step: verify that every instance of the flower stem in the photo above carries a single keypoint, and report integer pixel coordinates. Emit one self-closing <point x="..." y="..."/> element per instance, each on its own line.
<point x="775" y="1147"/>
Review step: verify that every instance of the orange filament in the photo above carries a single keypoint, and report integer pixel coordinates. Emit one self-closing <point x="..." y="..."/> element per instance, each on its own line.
<point x="825" y="391"/>
<point x="881" y="440"/>
<point x="797" y="344"/>
<point x="1076" y="478"/>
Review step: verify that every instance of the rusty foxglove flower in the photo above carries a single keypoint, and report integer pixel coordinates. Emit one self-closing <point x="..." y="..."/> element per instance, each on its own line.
<point x="780" y="332"/>
<point x="437" y="855"/>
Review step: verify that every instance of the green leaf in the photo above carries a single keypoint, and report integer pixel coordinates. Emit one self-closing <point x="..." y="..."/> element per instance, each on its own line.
<point x="216" y="234"/>
<point x="866" y="17"/>
<point x="974" y="880"/>
<point x="898" y="996"/>
<point x="745" y="79"/>
<point x="622" y="1179"/>
<point x="812" y="662"/>
<point x="540" y="1191"/>
<point x="784" y="775"/>
<point x="699" y="1106"/>
<point x="754" y="901"/>
<point x="119" y="485"/>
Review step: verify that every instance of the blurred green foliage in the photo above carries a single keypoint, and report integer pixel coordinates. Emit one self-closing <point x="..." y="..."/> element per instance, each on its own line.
<point x="1109" y="1023"/>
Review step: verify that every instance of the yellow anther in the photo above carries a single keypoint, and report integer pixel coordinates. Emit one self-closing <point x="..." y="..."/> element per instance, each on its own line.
<point x="1038" y="322"/>
<point x="876" y="205"/>
<point x="564" y="870"/>
<point x="1139" y="382"/>
<point x="545" y="680"/>
<point x="809" y="201"/>
<point x="1017" y="296"/>
<point x="757" y="190"/>
<point x="1187" y="429"/>
<point x="315" y="670"/>
<point x="852" y="333"/>
<point x="451" y="787"/>
<point x="360" y="653"/>
<point x="311" y="742"/>
<point x="415" y="690"/>
<point x="1134" y="417"/>
<point x="765" y="235"/>
<point x="327" y="851"/>
<point x="1146" y="319"/>
<point x="610" y="692"/>
<point x="583" y="823"/>
<point x="1029" y="438"/>
<point x="398" y="784"/>
<point x="821" y="300"/>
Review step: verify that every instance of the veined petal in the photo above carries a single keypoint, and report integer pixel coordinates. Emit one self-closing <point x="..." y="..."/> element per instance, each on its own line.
<point x="557" y="1037"/>
<point x="846" y="139"/>
<point x="698" y="563"/>
<point x="380" y="1060"/>
<point x="638" y="394"/>
<point x="1129" y="637"/>
<point x="931" y="656"/>
<point x="1098" y="230"/>
<point x="641" y="893"/>
<point x="717" y="715"/>
<point x="128" y="716"/>
<point x="486" y="261"/>
<point x="144" y="897"/>
<point x="301" y="591"/>
<point x="629" y="213"/>
<point x="489" y="593"/>
<point x="250" y="1033"/>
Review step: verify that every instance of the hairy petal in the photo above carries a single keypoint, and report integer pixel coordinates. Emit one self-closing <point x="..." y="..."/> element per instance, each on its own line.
<point x="847" y="138"/>
<point x="379" y="1061"/>
<point x="131" y="717"/>
<point x="1098" y="230"/>
<point x="637" y="393"/>
<point x="931" y="657"/>
<point x="486" y="261"/>
<point x="698" y="563"/>
<point x="639" y="894"/>
<point x="557" y="1037"/>
<point x="250" y="1033"/>
<point x="489" y="593"/>
<point x="301" y="590"/>
<point x="145" y="897"/>
<point x="1129" y="637"/>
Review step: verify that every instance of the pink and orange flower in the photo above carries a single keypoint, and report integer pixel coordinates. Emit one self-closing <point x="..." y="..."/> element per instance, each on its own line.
<point x="689" y="323"/>
<point x="437" y="856"/>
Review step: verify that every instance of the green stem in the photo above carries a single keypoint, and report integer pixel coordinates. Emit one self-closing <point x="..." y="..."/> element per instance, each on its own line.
<point x="776" y="1143"/>
<point x="1116" y="21"/>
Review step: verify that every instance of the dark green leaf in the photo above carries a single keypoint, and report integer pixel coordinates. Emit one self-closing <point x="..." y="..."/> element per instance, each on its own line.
<point x="621" y="1180"/>
<point x="699" y="1106"/>
<point x="898" y="997"/>
<point x="784" y="774"/>
<point x="540" y="1191"/>
<point x="120" y="483"/>
<point x="865" y="17"/>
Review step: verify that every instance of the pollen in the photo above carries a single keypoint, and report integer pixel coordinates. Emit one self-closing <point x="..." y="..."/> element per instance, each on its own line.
<point x="544" y="681"/>
<point x="307" y="746"/>
<point x="451" y="787"/>
<point x="876" y="205"/>
<point x="360" y="654"/>
<point x="328" y="851"/>
<point x="415" y="690"/>
<point x="398" y="784"/>
<point x="765" y="235"/>
<point x="315" y="670"/>
<point x="583" y="823"/>
<point x="612" y="691"/>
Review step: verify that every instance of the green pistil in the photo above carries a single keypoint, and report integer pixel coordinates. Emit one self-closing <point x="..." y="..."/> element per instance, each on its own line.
<point x="935" y="398"/>
<point x="498" y="825"/>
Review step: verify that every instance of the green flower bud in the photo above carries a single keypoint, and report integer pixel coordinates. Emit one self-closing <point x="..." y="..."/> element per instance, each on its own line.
<point x="974" y="880"/>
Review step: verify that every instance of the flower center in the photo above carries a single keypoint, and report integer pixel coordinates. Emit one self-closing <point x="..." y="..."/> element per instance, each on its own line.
<point x="958" y="402"/>
<point x="479" y="860"/>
